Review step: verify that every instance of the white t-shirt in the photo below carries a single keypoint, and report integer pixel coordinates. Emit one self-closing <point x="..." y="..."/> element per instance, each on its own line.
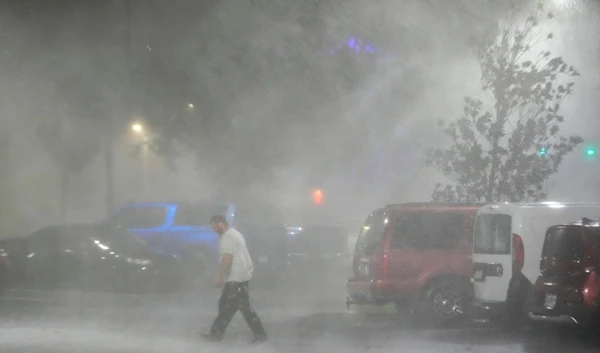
<point x="233" y="242"/>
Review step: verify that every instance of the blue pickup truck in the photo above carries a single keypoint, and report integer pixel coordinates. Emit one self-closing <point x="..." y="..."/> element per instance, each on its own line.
<point x="182" y="229"/>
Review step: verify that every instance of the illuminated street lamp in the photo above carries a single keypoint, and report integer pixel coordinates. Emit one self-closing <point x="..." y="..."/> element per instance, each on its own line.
<point x="137" y="128"/>
<point x="190" y="106"/>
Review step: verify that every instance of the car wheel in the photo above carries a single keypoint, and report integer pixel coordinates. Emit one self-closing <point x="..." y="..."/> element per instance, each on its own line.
<point x="444" y="303"/>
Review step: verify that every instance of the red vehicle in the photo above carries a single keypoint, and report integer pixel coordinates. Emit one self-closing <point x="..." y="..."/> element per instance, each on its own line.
<point x="416" y="254"/>
<point x="568" y="287"/>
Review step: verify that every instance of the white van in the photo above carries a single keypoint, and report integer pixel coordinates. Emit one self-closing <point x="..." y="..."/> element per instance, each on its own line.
<point x="507" y="246"/>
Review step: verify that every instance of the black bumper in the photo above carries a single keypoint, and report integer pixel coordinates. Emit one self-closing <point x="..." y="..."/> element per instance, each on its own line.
<point x="565" y="314"/>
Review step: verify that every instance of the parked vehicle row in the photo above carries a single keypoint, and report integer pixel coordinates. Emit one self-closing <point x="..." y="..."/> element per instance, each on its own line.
<point x="94" y="258"/>
<point x="503" y="262"/>
<point x="508" y="243"/>
<point x="159" y="248"/>
<point x="568" y="287"/>
<point x="181" y="229"/>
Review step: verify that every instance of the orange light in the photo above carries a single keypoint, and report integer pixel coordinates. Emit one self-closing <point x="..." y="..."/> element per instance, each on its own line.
<point x="317" y="196"/>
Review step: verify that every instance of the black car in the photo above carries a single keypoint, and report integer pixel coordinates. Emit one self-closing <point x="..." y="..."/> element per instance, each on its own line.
<point x="318" y="251"/>
<point x="268" y="248"/>
<point x="568" y="287"/>
<point x="97" y="258"/>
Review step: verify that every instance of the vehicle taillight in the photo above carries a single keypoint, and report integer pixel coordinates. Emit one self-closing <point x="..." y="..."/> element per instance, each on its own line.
<point x="384" y="265"/>
<point x="518" y="253"/>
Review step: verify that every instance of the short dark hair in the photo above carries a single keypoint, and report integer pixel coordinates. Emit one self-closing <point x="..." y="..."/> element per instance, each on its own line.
<point x="218" y="219"/>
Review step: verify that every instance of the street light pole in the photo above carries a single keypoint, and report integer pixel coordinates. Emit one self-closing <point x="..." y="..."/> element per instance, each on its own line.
<point x="143" y="140"/>
<point x="110" y="194"/>
<point x="109" y="167"/>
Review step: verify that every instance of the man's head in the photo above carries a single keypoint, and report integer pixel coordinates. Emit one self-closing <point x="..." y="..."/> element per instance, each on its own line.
<point x="219" y="224"/>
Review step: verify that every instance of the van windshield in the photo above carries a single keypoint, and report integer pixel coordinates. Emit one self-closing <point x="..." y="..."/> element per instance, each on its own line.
<point x="493" y="234"/>
<point x="564" y="243"/>
<point x="371" y="235"/>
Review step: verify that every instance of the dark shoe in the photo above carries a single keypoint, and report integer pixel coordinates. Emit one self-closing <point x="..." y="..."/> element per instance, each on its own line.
<point x="259" y="339"/>
<point x="210" y="338"/>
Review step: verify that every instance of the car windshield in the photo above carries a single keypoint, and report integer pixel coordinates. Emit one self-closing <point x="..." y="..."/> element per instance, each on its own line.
<point x="120" y="238"/>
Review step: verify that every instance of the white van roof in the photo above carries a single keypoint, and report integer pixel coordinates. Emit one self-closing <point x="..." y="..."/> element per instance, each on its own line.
<point x="510" y="207"/>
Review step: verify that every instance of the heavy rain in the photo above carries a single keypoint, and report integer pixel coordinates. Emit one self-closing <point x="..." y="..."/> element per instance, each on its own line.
<point x="351" y="176"/>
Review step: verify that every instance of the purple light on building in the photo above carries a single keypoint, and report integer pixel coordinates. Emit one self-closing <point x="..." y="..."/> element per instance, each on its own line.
<point x="356" y="45"/>
<point x="351" y="43"/>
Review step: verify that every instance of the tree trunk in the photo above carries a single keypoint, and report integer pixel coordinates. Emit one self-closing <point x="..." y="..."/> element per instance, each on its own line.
<point x="489" y="195"/>
<point x="496" y="131"/>
<point x="64" y="196"/>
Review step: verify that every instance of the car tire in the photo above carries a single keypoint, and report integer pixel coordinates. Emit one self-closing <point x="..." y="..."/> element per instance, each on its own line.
<point x="444" y="303"/>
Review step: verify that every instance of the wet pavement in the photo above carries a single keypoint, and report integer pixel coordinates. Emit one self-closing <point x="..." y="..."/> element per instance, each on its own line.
<point x="297" y="321"/>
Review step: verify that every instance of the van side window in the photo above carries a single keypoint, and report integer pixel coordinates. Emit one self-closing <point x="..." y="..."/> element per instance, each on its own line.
<point x="428" y="230"/>
<point x="493" y="234"/>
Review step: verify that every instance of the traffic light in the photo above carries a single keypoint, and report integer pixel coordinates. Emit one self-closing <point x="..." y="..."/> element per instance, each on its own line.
<point x="590" y="151"/>
<point x="317" y="196"/>
<point x="542" y="151"/>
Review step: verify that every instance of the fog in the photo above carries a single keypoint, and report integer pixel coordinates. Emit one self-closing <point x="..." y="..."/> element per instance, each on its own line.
<point x="245" y="101"/>
<point x="298" y="141"/>
<point x="272" y="136"/>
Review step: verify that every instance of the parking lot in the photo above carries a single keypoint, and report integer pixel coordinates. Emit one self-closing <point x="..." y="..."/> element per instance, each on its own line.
<point x="297" y="320"/>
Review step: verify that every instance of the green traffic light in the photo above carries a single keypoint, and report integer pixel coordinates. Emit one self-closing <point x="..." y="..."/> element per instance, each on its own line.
<point x="590" y="152"/>
<point x="542" y="151"/>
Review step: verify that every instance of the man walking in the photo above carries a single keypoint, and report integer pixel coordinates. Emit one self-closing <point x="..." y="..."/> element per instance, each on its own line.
<point x="235" y="271"/>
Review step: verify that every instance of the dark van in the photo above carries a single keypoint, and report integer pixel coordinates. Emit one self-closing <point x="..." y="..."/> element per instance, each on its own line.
<point x="568" y="287"/>
<point x="416" y="254"/>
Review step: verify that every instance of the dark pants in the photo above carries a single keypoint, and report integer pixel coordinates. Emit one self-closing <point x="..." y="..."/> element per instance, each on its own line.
<point x="235" y="297"/>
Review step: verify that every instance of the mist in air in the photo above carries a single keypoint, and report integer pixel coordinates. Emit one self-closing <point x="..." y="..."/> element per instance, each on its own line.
<point x="261" y="102"/>
<point x="345" y="101"/>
